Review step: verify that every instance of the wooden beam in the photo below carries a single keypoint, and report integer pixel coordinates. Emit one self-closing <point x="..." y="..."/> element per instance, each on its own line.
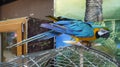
<point x="16" y="20"/>
<point x="9" y="28"/>
<point x="24" y="33"/>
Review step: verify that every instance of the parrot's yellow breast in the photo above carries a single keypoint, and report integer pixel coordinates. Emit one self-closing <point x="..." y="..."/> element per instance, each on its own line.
<point x="87" y="38"/>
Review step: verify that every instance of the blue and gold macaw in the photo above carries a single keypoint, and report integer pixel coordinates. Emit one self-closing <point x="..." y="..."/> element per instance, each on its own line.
<point x="79" y="30"/>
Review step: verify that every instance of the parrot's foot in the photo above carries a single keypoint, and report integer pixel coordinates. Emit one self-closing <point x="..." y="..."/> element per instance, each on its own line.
<point x="84" y="46"/>
<point x="86" y="43"/>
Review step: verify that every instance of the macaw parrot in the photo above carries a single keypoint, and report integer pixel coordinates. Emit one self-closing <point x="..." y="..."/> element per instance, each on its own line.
<point x="104" y="32"/>
<point x="79" y="30"/>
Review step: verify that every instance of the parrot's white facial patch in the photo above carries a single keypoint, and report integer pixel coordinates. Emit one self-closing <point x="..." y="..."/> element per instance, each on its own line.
<point x="102" y="32"/>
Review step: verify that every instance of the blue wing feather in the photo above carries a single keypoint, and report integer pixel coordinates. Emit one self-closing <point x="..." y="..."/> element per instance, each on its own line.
<point x="76" y="28"/>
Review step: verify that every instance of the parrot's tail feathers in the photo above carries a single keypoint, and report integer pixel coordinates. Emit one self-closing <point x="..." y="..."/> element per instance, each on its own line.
<point x="55" y="28"/>
<point x="49" y="35"/>
<point x="41" y="36"/>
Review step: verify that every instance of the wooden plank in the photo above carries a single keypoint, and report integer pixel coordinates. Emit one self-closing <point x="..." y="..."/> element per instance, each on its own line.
<point x="11" y="25"/>
<point x="17" y="20"/>
<point x="9" y="28"/>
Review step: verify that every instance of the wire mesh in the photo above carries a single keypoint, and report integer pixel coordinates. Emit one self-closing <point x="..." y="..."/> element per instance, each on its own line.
<point x="8" y="64"/>
<point x="64" y="57"/>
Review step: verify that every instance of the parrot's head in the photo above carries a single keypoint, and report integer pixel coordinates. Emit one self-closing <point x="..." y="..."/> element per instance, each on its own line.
<point x="103" y="32"/>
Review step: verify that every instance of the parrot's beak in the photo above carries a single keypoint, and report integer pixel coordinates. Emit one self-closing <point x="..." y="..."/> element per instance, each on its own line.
<point x="104" y="33"/>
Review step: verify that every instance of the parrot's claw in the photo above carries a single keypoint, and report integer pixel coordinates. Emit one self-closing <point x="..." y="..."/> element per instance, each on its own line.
<point x="79" y="44"/>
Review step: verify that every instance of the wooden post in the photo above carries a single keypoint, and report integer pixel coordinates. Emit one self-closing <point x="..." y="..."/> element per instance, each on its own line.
<point x="19" y="38"/>
<point x="24" y="34"/>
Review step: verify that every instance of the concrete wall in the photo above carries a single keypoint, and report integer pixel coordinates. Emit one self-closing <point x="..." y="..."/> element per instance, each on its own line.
<point x="21" y="8"/>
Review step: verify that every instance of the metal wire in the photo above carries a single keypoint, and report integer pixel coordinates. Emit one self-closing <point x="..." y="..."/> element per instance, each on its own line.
<point x="63" y="57"/>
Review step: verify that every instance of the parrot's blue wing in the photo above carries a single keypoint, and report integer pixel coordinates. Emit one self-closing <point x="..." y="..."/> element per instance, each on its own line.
<point x="76" y="28"/>
<point x="56" y="28"/>
<point x="91" y="23"/>
<point x="63" y="22"/>
<point x="81" y="29"/>
<point x="94" y="25"/>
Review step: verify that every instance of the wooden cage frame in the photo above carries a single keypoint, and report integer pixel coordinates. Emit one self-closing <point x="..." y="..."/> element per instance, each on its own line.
<point x="16" y="25"/>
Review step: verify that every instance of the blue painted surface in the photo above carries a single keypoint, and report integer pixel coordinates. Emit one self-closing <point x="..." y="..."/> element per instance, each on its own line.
<point x="60" y="39"/>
